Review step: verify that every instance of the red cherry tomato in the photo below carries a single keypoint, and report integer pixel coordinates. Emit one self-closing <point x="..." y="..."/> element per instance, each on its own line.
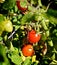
<point x="27" y="50"/>
<point x="20" y="7"/>
<point x="33" y="37"/>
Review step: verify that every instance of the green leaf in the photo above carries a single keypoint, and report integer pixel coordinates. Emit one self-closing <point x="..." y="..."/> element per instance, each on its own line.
<point x="27" y="61"/>
<point x="30" y="8"/>
<point x="52" y="19"/>
<point x="8" y="4"/>
<point x="1" y="38"/>
<point x="1" y="17"/>
<point x="35" y="63"/>
<point x="15" y="58"/>
<point x="34" y="1"/>
<point x="52" y="12"/>
<point x="54" y="62"/>
<point x="52" y="15"/>
<point x="27" y="18"/>
<point x="4" y="60"/>
<point x="16" y="9"/>
<point x="50" y="43"/>
<point x="53" y="56"/>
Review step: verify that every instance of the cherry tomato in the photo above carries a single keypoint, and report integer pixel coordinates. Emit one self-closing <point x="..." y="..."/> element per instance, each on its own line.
<point x="27" y="50"/>
<point x="8" y="25"/>
<point x="33" y="37"/>
<point x="21" y="6"/>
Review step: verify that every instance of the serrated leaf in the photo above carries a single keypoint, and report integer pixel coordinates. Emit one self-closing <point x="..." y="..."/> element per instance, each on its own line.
<point x="15" y="58"/>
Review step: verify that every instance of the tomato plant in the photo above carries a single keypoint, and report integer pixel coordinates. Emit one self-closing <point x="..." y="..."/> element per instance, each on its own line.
<point x="27" y="50"/>
<point x="33" y="37"/>
<point x="28" y="32"/>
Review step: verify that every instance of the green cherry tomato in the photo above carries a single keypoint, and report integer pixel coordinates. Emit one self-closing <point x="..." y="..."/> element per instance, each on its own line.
<point x="8" y="25"/>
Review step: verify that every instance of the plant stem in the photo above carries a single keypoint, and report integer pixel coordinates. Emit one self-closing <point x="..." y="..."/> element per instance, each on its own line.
<point x="11" y="46"/>
<point x="44" y="25"/>
<point x="39" y="2"/>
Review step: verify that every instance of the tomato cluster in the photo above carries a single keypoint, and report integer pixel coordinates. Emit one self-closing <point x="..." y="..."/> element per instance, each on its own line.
<point x="32" y="38"/>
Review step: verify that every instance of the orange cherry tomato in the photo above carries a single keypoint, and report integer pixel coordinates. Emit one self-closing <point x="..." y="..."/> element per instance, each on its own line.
<point x="33" y="37"/>
<point x="27" y="50"/>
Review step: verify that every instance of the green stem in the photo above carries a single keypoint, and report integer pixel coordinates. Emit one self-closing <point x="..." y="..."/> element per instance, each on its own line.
<point x="11" y="46"/>
<point x="44" y="25"/>
<point x="39" y="2"/>
<point x="37" y="26"/>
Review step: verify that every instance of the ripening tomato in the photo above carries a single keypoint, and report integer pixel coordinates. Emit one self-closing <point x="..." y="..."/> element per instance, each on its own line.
<point x="27" y="50"/>
<point x="22" y="5"/>
<point x="33" y="37"/>
<point x="8" y="25"/>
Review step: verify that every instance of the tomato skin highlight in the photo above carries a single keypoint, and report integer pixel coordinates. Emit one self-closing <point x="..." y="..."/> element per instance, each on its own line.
<point x="27" y="50"/>
<point x="20" y="7"/>
<point x="33" y="37"/>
